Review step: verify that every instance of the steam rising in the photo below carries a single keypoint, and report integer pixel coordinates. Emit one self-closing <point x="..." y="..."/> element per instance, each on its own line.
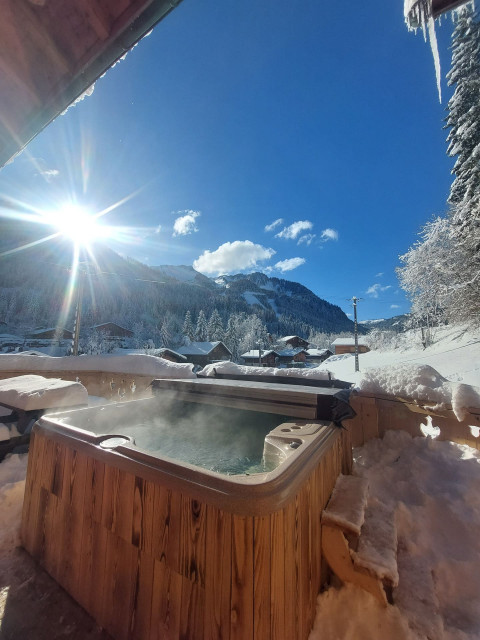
<point x="228" y="441"/>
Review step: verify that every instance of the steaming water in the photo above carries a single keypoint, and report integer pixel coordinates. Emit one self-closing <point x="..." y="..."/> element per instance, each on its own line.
<point x="223" y="440"/>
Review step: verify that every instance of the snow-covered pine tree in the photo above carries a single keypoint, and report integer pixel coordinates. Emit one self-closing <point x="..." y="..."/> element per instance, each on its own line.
<point x="215" y="327"/>
<point x="188" y="329"/>
<point x="201" y="330"/>
<point x="231" y="338"/>
<point x="463" y="118"/>
<point x="464" y="142"/>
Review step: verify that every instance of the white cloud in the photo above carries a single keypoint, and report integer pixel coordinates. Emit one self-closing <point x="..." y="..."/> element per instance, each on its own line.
<point x="49" y="174"/>
<point x="158" y="229"/>
<point x="291" y="263"/>
<point x="307" y="238"/>
<point x="394" y="306"/>
<point x="329" y="234"/>
<point x="349" y="315"/>
<point x="275" y="223"/>
<point x="294" y="230"/>
<point x="376" y="289"/>
<point x="184" y="225"/>
<point x="231" y="257"/>
<point x="379" y="275"/>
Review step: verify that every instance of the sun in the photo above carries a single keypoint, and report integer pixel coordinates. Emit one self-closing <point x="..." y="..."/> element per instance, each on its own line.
<point x="77" y="223"/>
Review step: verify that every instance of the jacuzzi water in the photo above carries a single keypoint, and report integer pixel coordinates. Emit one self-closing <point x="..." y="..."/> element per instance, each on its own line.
<point x="227" y="441"/>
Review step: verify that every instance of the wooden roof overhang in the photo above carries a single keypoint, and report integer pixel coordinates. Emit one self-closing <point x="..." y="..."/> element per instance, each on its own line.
<point x="52" y="51"/>
<point x="441" y="6"/>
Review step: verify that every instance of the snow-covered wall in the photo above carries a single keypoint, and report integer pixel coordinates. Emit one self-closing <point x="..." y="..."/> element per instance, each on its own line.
<point x="137" y="364"/>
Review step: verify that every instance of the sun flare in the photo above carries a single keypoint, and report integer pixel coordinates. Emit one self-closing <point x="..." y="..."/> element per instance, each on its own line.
<point x="77" y="223"/>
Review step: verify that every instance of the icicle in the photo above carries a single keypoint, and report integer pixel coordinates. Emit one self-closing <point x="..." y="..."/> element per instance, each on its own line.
<point x="418" y="13"/>
<point x="432" y="36"/>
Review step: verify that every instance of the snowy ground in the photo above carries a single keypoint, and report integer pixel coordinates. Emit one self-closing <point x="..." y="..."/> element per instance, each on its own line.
<point x="433" y="489"/>
<point x="455" y="355"/>
<point x="431" y="486"/>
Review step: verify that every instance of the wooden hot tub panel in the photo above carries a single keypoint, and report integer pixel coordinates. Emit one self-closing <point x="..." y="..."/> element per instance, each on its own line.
<point x="150" y="562"/>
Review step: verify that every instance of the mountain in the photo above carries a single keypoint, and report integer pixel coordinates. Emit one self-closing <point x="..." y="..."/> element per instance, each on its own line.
<point x="34" y="283"/>
<point x="397" y="323"/>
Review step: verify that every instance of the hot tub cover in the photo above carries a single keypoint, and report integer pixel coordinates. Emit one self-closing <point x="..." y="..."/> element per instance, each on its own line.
<point x="36" y="392"/>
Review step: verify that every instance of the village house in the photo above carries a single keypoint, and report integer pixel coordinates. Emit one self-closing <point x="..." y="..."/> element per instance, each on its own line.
<point x="347" y="345"/>
<point x="203" y="353"/>
<point x="294" y="341"/>
<point x="316" y="356"/>
<point x="169" y="354"/>
<point x="112" y="330"/>
<point x="54" y="333"/>
<point x="266" y="358"/>
<point x="292" y="356"/>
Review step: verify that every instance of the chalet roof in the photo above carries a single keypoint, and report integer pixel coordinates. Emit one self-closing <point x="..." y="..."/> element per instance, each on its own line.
<point x="10" y="336"/>
<point x="318" y="352"/>
<point x="40" y="331"/>
<point x="200" y="348"/>
<point x="113" y="324"/>
<point x="349" y="342"/>
<point x="163" y="350"/>
<point x="285" y="353"/>
<point x="289" y="338"/>
<point x="52" y="52"/>
<point x="253" y="353"/>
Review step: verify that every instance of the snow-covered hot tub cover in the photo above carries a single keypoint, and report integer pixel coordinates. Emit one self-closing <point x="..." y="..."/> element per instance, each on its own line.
<point x="36" y="392"/>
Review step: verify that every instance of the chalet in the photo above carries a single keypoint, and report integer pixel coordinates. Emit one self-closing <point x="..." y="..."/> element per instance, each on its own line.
<point x="294" y="341"/>
<point x="112" y="330"/>
<point x="54" y="333"/>
<point x="10" y="342"/>
<point x="347" y="345"/>
<point x="267" y="358"/>
<point x="203" y="353"/>
<point x="289" y="356"/>
<point x="169" y="354"/>
<point x="315" y="356"/>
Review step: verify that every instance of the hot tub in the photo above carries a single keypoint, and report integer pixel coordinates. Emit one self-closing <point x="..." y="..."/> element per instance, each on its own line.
<point x="153" y="545"/>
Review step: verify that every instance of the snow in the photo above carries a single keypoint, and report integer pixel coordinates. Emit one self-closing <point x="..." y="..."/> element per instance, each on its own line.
<point x="198" y="348"/>
<point x="377" y="546"/>
<point x="253" y="353"/>
<point x="144" y="365"/>
<point x="36" y="392"/>
<point x="251" y="298"/>
<point x="317" y="352"/>
<point x="432" y="489"/>
<point x="455" y="355"/>
<point x="350" y="342"/>
<point x="347" y="503"/>
<point x="238" y="369"/>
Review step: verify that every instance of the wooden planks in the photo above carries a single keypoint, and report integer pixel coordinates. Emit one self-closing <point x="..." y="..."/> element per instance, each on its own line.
<point x="149" y="562"/>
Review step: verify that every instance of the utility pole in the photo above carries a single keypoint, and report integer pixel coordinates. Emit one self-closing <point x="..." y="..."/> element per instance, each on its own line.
<point x="355" y="300"/>
<point x="78" y="311"/>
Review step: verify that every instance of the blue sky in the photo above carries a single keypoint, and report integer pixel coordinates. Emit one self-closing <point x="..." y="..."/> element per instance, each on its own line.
<point x="293" y="138"/>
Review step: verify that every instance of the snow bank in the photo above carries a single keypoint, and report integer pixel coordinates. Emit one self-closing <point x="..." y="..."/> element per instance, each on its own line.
<point x="421" y="383"/>
<point x="37" y="392"/>
<point x="432" y="489"/>
<point x="143" y="365"/>
<point x="242" y="370"/>
<point x="12" y="487"/>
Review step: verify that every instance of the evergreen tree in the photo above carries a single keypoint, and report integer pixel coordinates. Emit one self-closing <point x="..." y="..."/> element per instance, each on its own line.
<point x="464" y="111"/>
<point x="188" y="329"/>
<point x="201" y="330"/>
<point x="215" y="327"/>
<point x="464" y="143"/>
<point x="231" y="338"/>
